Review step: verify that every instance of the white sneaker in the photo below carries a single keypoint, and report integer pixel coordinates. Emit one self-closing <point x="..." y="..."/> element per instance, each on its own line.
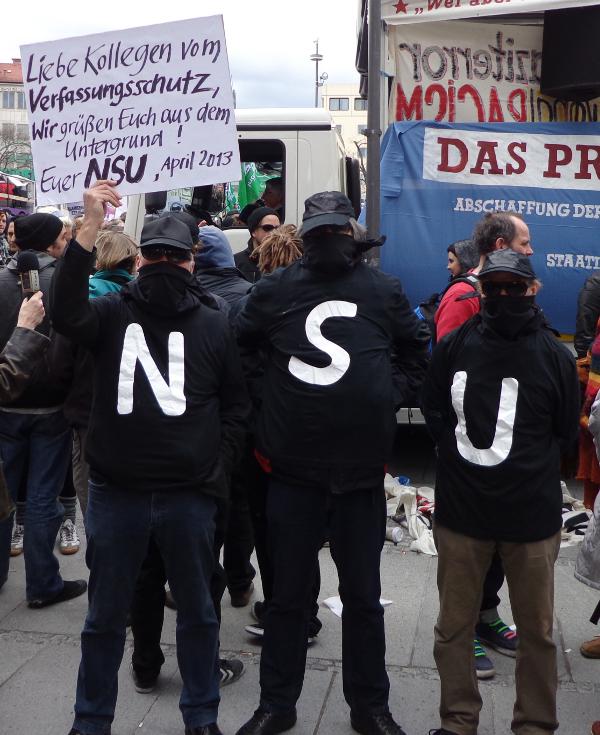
<point x="68" y="538"/>
<point x="16" y="544"/>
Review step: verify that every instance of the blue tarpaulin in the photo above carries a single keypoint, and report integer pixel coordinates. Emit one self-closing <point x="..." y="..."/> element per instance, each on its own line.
<point x="439" y="179"/>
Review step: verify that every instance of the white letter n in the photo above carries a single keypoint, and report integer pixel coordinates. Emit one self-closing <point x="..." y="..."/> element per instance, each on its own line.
<point x="170" y="396"/>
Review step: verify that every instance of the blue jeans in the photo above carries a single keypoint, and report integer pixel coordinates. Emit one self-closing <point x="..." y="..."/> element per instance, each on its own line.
<point x="35" y="449"/>
<point x="119" y="525"/>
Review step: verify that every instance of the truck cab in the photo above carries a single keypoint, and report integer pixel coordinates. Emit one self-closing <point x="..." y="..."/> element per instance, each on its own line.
<point x="300" y="146"/>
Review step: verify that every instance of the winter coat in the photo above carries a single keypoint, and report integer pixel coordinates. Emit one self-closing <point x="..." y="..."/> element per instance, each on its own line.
<point x="330" y="387"/>
<point x="501" y="410"/>
<point x="170" y="406"/>
<point x="228" y="283"/>
<point x="49" y="382"/>
<point x="588" y="313"/>
<point x="18" y="359"/>
<point x="247" y="265"/>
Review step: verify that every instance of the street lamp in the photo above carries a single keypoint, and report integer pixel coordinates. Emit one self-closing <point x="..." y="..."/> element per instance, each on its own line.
<point x="316" y="57"/>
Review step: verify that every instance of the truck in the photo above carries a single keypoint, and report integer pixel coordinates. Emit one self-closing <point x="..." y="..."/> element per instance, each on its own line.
<point x="301" y="146"/>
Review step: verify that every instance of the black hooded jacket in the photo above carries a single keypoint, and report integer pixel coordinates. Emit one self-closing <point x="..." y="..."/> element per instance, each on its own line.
<point x="156" y="424"/>
<point x="330" y="389"/>
<point x="498" y="472"/>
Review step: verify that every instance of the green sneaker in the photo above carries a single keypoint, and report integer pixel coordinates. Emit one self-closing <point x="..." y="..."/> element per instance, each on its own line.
<point x="484" y="668"/>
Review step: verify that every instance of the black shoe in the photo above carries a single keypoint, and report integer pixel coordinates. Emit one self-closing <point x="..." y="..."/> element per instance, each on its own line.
<point x="268" y="723"/>
<point x="230" y="670"/>
<point x="143" y="684"/>
<point x="375" y="724"/>
<point x="441" y="731"/>
<point x="68" y="592"/>
<point x="241" y="599"/>
<point x="212" y="729"/>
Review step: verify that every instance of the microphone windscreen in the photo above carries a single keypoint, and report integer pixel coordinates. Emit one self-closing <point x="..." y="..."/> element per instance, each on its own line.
<point x="27" y="260"/>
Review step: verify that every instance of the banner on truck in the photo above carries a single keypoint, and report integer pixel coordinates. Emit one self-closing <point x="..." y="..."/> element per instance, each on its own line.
<point x="396" y="12"/>
<point x="151" y="108"/>
<point x="475" y="72"/>
<point x="438" y="180"/>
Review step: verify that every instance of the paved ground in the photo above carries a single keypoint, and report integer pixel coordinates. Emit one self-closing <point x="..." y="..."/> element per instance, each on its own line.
<point x="39" y="653"/>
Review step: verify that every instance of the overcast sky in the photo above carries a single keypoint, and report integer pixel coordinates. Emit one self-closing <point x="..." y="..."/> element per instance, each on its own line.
<point x="269" y="41"/>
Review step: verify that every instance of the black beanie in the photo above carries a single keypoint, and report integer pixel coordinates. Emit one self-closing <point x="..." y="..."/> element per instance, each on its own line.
<point x="256" y="216"/>
<point x="37" y="231"/>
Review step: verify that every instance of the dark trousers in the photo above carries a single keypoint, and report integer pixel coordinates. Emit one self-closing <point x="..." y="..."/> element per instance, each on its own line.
<point x="148" y="605"/>
<point x="239" y="538"/>
<point x="494" y="579"/>
<point x="119" y="526"/>
<point x="297" y="521"/>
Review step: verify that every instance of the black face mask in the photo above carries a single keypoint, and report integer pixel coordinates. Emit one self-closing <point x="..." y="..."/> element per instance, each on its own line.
<point x="508" y="315"/>
<point x="164" y="286"/>
<point x="331" y="252"/>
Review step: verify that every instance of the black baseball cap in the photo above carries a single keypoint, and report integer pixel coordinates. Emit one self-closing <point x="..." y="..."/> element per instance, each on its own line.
<point x="326" y="208"/>
<point x="507" y="261"/>
<point x="167" y="231"/>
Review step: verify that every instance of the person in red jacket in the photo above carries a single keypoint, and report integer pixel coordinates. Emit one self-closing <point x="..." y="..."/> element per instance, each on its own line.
<point x="497" y="230"/>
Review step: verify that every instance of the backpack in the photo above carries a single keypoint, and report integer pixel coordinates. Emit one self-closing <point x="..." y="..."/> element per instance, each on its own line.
<point x="426" y="310"/>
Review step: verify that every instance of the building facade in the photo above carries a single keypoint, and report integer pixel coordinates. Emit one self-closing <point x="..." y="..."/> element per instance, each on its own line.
<point x="15" y="148"/>
<point x="349" y="112"/>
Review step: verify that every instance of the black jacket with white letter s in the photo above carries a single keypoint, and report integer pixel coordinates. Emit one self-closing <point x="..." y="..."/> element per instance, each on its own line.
<point x="170" y="407"/>
<point x="501" y="411"/>
<point x="331" y="385"/>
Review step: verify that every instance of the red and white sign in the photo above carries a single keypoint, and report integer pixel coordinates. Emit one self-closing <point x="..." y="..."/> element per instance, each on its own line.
<point x="511" y="159"/>
<point x="474" y="72"/>
<point x="396" y="12"/>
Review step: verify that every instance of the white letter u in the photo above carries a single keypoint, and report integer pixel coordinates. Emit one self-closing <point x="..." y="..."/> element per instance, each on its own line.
<point x="503" y="436"/>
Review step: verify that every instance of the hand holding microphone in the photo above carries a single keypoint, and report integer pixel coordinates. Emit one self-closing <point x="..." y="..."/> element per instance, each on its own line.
<point x="32" y="312"/>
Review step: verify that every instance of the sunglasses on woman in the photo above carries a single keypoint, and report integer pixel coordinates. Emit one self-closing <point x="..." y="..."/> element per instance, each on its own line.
<point x="173" y="255"/>
<point x="268" y="228"/>
<point x="510" y="288"/>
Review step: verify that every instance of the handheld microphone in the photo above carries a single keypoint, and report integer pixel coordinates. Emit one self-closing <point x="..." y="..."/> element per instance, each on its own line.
<point x="28" y="267"/>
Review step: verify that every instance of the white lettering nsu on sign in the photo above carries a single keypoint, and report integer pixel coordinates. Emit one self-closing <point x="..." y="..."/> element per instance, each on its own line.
<point x="340" y="359"/>
<point x="501" y="445"/>
<point x="169" y="396"/>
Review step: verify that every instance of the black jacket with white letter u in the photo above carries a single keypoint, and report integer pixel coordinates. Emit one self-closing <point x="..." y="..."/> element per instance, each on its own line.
<point x="331" y="385"/>
<point x="170" y="407"/>
<point x="501" y="411"/>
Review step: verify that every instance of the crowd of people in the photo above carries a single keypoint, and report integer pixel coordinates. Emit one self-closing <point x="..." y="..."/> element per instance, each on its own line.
<point x="200" y="405"/>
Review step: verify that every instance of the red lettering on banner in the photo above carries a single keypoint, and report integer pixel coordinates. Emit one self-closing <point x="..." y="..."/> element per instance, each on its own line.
<point x="474" y="92"/>
<point x="495" y="114"/>
<point x="586" y="161"/>
<point x="518" y="97"/>
<point x="487" y="156"/>
<point x="512" y="152"/>
<point x="444" y="164"/>
<point x="438" y="89"/>
<point x="554" y="149"/>
<point x="406" y="110"/>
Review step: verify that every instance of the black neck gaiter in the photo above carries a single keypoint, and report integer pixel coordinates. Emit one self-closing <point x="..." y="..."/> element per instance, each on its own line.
<point x="508" y="315"/>
<point x="330" y="253"/>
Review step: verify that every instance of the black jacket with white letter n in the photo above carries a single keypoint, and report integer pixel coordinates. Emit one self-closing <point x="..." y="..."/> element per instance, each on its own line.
<point x="170" y="406"/>
<point x="501" y="411"/>
<point x="330" y="386"/>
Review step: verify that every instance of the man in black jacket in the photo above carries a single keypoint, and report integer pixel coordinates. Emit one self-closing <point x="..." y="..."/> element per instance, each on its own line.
<point x="325" y="432"/>
<point x="501" y="400"/>
<point x="35" y="440"/>
<point x="167" y="421"/>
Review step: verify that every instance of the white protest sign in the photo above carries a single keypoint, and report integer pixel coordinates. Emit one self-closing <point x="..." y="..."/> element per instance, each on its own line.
<point x="151" y="108"/>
